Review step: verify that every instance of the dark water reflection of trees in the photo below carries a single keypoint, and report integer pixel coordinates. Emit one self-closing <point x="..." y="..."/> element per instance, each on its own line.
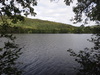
<point x="89" y="58"/>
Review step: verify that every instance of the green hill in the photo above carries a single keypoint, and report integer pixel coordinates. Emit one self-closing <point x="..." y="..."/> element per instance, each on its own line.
<point x="43" y="26"/>
<point x="40" y="26"/>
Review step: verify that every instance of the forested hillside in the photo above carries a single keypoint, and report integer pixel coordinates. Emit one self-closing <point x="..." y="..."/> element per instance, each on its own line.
<point x="42" y="26"/>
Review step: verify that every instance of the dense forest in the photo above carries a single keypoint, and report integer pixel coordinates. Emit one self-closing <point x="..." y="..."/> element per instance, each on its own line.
<point x="42" y="26"/>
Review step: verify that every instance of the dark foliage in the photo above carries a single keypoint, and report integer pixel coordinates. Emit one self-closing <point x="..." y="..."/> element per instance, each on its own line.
<point x="8" y="56"/>
<point x="89" y="58"/>
<point x="91" y="8"/>
<point x="10" y="52"/>
<point x="13" y="9"/>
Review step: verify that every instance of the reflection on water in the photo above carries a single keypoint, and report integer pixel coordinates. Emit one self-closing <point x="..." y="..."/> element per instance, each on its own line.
<point x="46" y="54"/>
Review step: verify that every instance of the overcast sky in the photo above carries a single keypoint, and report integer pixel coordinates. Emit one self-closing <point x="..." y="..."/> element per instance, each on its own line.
<point x="55" y="11"/>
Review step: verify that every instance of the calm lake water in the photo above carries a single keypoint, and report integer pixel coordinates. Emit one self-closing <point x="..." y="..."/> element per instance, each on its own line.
<point x="46" y="54"/>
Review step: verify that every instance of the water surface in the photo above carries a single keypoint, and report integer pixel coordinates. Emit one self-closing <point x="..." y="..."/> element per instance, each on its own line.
<point x="46" y="54"/>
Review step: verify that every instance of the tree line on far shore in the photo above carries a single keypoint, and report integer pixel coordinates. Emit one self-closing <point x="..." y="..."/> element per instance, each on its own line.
<point x="41" y="26"/>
